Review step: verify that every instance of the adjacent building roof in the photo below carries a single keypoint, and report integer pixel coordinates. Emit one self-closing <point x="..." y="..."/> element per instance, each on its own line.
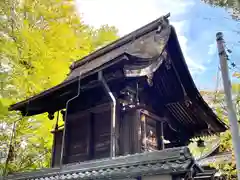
<point x="174" y="161"/>
<point x="219" y="158"/>
<point x="215" y="156"/>
<point x="151" y="50"/>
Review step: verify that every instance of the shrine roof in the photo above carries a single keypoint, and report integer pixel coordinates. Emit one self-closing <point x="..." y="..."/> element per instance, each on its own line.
<point x="151" y="50"/>
<point x="174" y="161"/>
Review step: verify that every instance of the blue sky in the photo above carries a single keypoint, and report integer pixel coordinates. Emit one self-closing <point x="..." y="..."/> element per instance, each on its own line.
<point x="196" y="24"/>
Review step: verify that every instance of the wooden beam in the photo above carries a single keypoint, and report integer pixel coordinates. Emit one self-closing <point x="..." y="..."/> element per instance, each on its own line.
<point x="96" y="109"/>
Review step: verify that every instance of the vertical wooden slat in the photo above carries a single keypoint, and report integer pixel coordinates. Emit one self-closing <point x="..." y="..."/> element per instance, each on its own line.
<point x="139" y="131"/>
<point x="129" y="133"/>
<point x="160" y="137"/>
<point x="124" y="134"/>
<point x="118" y="116"/>
<point x="102" y="134"/>
<point x="53" y="155"/>
<point x="57" y="148"/>
<point x="91" y="137"/>
<point x="65" y="142"/>
<point x="144" y="132"/>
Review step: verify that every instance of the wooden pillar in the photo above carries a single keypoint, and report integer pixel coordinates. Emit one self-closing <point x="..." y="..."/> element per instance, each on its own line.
<point x="129" y="133"/>
<point x="124" y="134"/>
<point x="143" y="132"/>
<point x="136" y="141"/>
<point x="160" y="135"/>
<point x="56" y="151"/>
<point x="117" y="136"/>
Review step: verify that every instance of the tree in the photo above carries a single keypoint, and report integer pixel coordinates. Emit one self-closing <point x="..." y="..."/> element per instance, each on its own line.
<point x="216" y="100"/>
<point x="233" y="5"/>
<point x="39" y="40"/>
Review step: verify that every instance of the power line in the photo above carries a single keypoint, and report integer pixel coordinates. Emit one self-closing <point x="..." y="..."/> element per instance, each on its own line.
<point x="232" y="65"/>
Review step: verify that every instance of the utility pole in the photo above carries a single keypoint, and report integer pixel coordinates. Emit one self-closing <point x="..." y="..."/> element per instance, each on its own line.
<point x="228" y="98"/>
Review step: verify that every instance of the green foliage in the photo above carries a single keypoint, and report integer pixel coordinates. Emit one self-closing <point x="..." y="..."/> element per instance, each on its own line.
<point x="217" y="101"/>
<point x="233" y="5"/>
<point x="198" y="152"/>
<point x="38" y="42"/>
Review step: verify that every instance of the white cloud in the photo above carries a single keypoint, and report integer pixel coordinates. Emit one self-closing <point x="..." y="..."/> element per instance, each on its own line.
<point x="212" y="49"/>
<point x="194" y="67"/>
<point x="128" y="15"/>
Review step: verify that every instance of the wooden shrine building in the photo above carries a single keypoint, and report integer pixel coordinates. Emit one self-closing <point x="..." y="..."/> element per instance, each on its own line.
<point x="130" y="109"/>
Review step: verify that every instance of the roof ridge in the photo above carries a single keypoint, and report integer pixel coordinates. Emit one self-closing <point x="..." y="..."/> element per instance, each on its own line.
<point x="119" y="42"/>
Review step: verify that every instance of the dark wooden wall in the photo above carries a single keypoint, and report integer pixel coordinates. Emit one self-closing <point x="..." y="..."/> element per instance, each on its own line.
<point x="88" y="135"/>
<point x="77" y="138"/>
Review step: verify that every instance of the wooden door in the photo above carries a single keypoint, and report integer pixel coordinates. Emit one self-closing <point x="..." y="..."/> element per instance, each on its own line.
<point x="102" y="134"/>
<point x="78" y="134"/>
